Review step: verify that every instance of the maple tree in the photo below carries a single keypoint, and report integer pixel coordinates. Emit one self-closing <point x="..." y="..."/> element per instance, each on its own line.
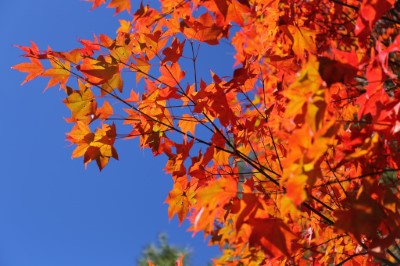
<point x="292" y="159"/>
<point x="163" y="254"/>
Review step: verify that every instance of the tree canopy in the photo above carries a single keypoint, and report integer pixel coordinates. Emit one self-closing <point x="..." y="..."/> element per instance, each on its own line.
<point x="291" y="159"/>
<point x="164" y="254"/>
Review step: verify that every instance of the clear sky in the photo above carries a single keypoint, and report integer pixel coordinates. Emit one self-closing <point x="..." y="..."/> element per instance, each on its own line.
<point x="53" y="212"/>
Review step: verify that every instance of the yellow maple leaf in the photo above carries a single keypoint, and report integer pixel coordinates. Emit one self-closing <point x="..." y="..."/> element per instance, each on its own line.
<point x="82" y="103"/>
<point x="303" y="40"/>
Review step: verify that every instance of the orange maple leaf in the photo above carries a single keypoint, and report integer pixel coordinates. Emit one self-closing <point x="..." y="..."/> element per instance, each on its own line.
<point x="303" y="40"/>
<point x="105" y="111"/>
<point x="295" y="189"/>
<point x="219" y="192"/>
<point x="187" y="123"/>
<point x="120" y="5"/>
<point x="142" y="67"/>
<point x="96" y="146"/>
<point x="34" y="69"/>
<point x="180" y="198"/>
<point x="134" y="97"/>
<point x="171" y="75"/>
<point x="97" y="71"/>
<point x="96" y="3"/>
<point x="204" y="29"/>
<point x="59" y="73"/>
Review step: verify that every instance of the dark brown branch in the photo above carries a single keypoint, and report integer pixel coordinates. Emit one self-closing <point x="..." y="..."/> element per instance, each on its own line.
<point x="276" y="151"/>
<point x="334" y="174"/>
<point x="318" y="213"/>
<point x="322" y="203"/>
<point x="194" y="67"/>
<point x="358" y="177"/>
<point x="351" y="257"/>
<point x="345" y="4"/>
<point x="393" y="255"/>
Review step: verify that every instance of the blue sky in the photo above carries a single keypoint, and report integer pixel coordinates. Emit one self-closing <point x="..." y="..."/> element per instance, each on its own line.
<point x="53" y="212"/>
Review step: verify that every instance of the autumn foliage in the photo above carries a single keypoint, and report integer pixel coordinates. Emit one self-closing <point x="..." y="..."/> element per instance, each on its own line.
<point x="292" y="159"/>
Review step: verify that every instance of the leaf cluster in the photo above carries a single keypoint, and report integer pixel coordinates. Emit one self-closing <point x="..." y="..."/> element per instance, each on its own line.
<point x="292" y="159"/>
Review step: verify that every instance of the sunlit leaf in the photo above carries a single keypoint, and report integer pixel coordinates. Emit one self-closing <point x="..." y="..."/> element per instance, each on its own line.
<point x="82" y="104"/>
<point x="34" y="69"/>
<point x="59" y="73"/>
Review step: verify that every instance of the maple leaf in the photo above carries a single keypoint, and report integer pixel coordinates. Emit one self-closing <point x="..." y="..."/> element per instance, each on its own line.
<point x="361" y="209"/>
<point x="96" y="146"/>
<point x="125" y="26"/>
<point x="370" y="12"/>
<point x="96" y="3"/>
<point x="89" y="47"/>
<point x="222" y="6"/>
<point x="212" y="200"/>
<point x="97" y="71"/>
<point x="59" y="73"/>
<point x="306" y="96"/>
<point x="82" y="104"/>
<point x="273" y="235"/>
<point x="141" y="11"/>
<point x="303" y="40"/>
<point x="134" y="97"/>
<point x="34" y="69"/>
<point x="204" y="29"/>
<point x="105" y="111"/>
<point x="332" y="71"/>
<point x="82" y="136"/>
<point x="383" y="56"/>
<point x="174" y="52"/>
<point x="32" y="51"/>
<point x="152" y="43"/>
<point x="106" y="41"/>
<point x="295" y="189"/>
<point x="121" y="53"/>
<point x="187" y="124"/>
<point x="115" y="82"/>
<point x="232" y="11"/>
<point x="180" y="198"/>
<point x="142" y="66"/>
<point x="218" y="192"/>
<point x="74" y="56"/>
<point x="120" y="5"/>
<point x="171" y="75"/>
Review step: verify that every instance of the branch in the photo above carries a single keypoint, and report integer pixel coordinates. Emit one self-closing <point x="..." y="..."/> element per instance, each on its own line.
<point x="194" y="67"/>
<point x="351" y="257"/>
<point x="345" y="4"/>
<point x="393" y="255"/>
<point x="326" y="219"/>
<point x="358" y="177"/>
